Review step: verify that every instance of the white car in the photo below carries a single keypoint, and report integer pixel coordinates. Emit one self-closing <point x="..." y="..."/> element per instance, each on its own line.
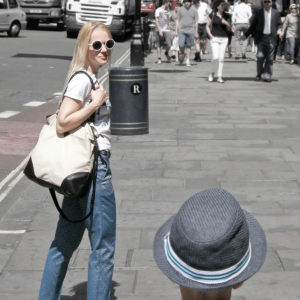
<point x="12" y="17"/>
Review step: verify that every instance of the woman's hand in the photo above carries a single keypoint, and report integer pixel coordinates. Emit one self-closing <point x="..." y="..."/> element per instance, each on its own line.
<point x="228" y="25"/>
<point x="99" y="96"/>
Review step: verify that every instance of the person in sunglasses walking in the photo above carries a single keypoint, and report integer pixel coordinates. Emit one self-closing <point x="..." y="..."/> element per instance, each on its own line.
<point x="80" y="103"/>
<point x="265" y="26"/>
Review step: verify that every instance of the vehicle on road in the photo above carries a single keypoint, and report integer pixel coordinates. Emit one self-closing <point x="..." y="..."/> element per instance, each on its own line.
<point x="12" y="17"/>
<point x="46" y="11"/>
<point x="117" y="15"/>
<point x="148" y="6"/>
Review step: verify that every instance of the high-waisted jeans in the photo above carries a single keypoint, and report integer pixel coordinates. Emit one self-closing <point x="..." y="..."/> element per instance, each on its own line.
<point x="101" y="228"/>
<point x="218" y="47"/>
<point x="293" y="47"/>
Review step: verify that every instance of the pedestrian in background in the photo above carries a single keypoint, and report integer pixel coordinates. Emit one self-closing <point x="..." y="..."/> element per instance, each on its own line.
<point x="197" y="57"/>
<point x="187" y="30"/>
<point x="203" y="12"/>
<point x="175" y="44"/>
<point x="80" y="102"/>
<point x="217" y="28"/>
<point x="240" y="19"/>
<point x="210" y="246"/>
<point x="229" y="10"/>
<point x="291" y="29"/>
<point x="162" y="21"/>
<point x="265" y="26"/>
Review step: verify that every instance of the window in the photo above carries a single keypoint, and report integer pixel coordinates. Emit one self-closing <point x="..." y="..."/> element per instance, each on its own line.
<point x="13" y="3"/>
<point x="3" y="4"/>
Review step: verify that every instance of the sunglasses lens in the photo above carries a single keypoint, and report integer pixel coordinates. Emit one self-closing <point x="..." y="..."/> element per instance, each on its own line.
<point x="110" y="44"/>
<point x="97" y="45"/>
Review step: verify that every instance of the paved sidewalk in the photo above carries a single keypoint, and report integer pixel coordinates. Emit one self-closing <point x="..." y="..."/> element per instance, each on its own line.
<point x="242" y="136"/>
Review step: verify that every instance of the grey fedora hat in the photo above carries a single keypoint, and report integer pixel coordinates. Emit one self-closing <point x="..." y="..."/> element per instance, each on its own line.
<point x="211" y="243"/>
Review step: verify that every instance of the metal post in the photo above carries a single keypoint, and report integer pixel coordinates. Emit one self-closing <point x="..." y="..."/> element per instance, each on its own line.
<point x="137" y="45"/>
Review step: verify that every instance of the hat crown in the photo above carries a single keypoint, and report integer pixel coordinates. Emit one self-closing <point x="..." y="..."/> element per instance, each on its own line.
<point x="210" y="231"/>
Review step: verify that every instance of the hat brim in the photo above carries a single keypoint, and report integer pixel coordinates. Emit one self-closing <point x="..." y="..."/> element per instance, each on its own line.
<point x="258" y="255"/>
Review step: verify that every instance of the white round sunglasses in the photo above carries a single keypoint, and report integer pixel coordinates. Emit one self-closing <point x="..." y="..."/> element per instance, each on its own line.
<point x="97" y="45"/>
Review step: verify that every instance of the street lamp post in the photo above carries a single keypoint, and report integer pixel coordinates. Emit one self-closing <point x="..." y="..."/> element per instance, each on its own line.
<point x="137" y="46"/>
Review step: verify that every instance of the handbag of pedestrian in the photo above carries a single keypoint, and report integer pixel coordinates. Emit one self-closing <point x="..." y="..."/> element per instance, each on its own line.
<point x="65" y="163"/>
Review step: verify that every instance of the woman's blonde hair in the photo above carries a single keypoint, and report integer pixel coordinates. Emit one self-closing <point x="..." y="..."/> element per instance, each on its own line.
<point x="79" y="59"/>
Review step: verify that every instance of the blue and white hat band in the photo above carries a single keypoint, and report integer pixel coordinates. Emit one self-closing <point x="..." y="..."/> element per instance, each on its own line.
<point x="201" y="276"/>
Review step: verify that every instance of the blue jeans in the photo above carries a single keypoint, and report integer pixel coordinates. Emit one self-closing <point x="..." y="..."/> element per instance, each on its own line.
<point x="293" y="47"/>
<point x="101" y="227"/>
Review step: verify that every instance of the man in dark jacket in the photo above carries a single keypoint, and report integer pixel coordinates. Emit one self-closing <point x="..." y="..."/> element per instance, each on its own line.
<point x="265" y="26"/>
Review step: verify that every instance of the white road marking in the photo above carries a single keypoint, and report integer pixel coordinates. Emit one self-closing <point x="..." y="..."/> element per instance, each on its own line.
<point x="12" y="231"/>
<point x="11" y="186"/>
<point x="34" y="103"/>
<point x="8" y="113"/>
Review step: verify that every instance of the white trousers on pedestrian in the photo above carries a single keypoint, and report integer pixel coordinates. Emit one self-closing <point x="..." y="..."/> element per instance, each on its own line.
<point x="218" y="47"/>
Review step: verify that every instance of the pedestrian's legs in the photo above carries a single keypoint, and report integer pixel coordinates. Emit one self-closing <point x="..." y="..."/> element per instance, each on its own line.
<point x="237" y="35"/>
<point x="159" y="45"/>
<point x="260" y="55"/>
<point x="181" y="42"/>
<point x="297" y="44"/>
<point x="188" y="52"/>
<point x="245" y="42"/>
<point x="269" y="55"/>
<point x="158" y="52"/>
<point x="215" y="55"/>
<point x="102" y="233"/>
<point x="67" y="238"/>
<point x="222" y="48"/>
<point x="291" y="42"/>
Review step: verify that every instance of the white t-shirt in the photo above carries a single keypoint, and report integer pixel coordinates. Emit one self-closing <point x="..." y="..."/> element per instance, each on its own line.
<point x="203" y="12"/>
<point x="241" y="14"/>
<point x="79" y="88"/>
<point x="163" y="16"/>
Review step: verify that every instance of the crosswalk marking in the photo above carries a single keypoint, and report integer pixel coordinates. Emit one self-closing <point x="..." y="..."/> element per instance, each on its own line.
<point x="12" y="231"/>
<point x="8" y="113"/>
<point x="34" y="103"/>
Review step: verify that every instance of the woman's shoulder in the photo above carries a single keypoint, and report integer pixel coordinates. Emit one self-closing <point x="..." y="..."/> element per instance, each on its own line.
<point x="79" y="86"/>
<point x="81" y="78"/>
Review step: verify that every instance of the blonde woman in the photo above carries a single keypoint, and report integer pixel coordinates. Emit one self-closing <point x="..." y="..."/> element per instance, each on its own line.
<point x="80" y="102"/>
<point x="217" y="28"/>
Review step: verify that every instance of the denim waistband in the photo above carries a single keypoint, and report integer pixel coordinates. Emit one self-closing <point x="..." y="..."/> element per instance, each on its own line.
<point x="104" y="152"/>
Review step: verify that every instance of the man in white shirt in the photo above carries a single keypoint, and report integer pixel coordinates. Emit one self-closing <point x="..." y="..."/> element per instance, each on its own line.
<point x="162" y="21"/>
<point x="240" y="20"/>
<point x="265" y="26"/>
<point x="203" y="12"/>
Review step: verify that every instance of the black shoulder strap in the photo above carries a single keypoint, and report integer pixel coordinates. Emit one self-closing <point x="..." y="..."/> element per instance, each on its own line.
<point x="73" y="75"/>
<point x="87" y="74"/>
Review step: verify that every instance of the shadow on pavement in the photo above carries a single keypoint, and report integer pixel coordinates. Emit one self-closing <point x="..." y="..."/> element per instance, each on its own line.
<point x="33" y="55"/>
<point x="80" y="289"/>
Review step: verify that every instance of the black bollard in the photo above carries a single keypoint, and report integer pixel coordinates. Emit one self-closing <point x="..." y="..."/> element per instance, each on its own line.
<point x="128" y="93"/>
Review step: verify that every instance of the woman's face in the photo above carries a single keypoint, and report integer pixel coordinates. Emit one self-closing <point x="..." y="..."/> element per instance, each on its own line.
<point x="221" y="6"/>
<point x="96" y="59"/>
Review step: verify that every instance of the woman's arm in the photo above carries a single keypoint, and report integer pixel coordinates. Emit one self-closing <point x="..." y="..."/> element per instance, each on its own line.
<point x="71" y="115"/>
<point x="208" y="26"/>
